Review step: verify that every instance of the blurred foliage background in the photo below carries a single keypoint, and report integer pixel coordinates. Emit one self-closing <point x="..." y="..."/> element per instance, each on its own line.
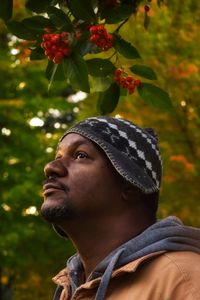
<point x="32" y="120"/>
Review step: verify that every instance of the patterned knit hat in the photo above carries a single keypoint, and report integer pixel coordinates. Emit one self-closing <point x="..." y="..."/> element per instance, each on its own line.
<point x="132" y="150"/>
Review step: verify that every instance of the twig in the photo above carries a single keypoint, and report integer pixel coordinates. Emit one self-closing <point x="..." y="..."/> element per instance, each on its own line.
<point x="119" y="27"/>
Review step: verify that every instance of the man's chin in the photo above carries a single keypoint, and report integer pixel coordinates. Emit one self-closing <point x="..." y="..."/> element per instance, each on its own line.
<point x="55" y="214"/>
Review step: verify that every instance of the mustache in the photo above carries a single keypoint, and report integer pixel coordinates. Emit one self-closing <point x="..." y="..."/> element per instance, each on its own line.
<point x="53" y="180"/>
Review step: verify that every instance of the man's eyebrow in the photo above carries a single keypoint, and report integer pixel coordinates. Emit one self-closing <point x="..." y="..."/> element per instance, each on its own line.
<point x="76" y="144"/>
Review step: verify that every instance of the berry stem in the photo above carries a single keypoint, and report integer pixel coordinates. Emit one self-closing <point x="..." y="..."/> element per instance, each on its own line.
<point x="120" y="25"/>
<point x="114" y="53"/>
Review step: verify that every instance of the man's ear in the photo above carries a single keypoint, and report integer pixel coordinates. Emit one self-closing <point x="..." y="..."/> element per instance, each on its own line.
<point x="130" y="192"/>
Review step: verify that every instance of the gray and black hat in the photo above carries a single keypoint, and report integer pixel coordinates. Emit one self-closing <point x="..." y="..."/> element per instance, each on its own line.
<point x="132" y="150"/>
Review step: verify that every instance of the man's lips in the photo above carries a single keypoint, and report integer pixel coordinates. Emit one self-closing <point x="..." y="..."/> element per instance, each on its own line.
<point x="49" y="188"/>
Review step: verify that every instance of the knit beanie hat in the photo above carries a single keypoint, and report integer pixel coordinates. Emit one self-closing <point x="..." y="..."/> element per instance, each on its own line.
<point x="132" y="151"/>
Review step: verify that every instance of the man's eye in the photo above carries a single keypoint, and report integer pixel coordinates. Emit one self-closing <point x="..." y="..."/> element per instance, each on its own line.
<point x="81" y="155"/>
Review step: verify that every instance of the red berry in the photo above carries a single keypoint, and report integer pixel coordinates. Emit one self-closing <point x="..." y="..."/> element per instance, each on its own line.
<point x="58" y="57"/>
<point x="94" y="38"/>
<point x="93" y="29"/>
<point x="129" y="79"/>
<point x="109" y="37"/>
<point x="137" y="82"/>
<point x="78" y="35"/>
<point x="42" y="44"/>
<point x="101" y="29"/>
<point x="47" y="44"/>
<point x="118" y="72"/>
<point x="46" y="37"/>
<point x="54" y="49"/>
<point x="48" y="52"/>
<point x="50" y="56"/>
<point x="67" y="51"/>
<point x="147" y="8"/>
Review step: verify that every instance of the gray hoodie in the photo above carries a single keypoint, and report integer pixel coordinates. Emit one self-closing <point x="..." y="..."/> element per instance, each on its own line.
<point x="168" y="234"/>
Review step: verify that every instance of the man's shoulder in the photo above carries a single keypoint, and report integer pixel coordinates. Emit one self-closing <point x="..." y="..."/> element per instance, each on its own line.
<point x="185" y="263"/>
<point x="183" y="258"/>
<point x="179" y="262"/>
<point x="168" y="275"/>
<point x="172" y="259"/>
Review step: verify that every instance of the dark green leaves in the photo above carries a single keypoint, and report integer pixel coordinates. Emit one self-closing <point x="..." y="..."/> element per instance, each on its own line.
<point x="21" y="31"/>
<point x="76" y="72"/>
<point x="55" y="72"/>
<point x="6" y="8"/>
<point x="116" y="14"/>
<point x="82" y="10"/>
<point x="37" y="6"/>
<point x="37" y="53"/>
<point x="59" y="18"/>
<point x="144" y="71"/>
<point x="37" y="23"/>
<point x="155" y="96"/>
<point x="109" y="99"/>
<point x="83" y="45"/>
<point x="29" y="28"/>
<point x="125" y="48"/>
<point x="100" y="67"/>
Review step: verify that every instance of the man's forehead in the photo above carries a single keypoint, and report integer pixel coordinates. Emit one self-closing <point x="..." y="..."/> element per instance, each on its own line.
<point x="74" y="140"/>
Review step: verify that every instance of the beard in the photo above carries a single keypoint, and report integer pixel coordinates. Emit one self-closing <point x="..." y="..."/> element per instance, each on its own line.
<point x="56" y="214"/>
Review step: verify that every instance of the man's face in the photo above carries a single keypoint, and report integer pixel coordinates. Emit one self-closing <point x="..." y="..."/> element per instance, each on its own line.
<point x="81" y="182"/>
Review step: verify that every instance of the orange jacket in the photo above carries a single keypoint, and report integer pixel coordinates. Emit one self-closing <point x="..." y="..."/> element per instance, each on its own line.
<point x="157" y="276"/>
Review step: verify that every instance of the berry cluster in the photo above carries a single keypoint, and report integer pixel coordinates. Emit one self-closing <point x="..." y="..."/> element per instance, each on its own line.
<point x="101" y="37"/>
<point x="56" y="46"/>
<point x="126" y="81"/>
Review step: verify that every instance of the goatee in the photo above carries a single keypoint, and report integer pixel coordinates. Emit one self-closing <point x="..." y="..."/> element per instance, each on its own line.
<point x="56" y="215"/>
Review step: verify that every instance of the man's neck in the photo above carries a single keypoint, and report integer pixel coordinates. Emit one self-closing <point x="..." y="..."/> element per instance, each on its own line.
<point x="95" y="241"/>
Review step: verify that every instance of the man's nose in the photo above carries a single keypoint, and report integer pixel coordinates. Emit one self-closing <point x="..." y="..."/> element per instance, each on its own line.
<point x="55" y="168"/>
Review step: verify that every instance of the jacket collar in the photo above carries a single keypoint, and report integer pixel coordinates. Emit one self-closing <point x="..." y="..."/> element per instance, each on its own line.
<point x="63" y="279"/>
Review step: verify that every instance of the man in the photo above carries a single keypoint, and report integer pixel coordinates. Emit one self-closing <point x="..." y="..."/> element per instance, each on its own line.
<point x="102" y="192"/>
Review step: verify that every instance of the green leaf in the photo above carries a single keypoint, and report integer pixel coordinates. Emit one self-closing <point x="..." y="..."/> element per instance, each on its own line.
<point x="37" y="6"/>
<point x="109" y="99"/>
<point x="59" y="18"/>
<point x="99" y="84"/>
<point x="100" y="67"/>
<point x="116" y="14"/>
<point x="155" y="96"/>
<point x="84" y="46"/>
<point x="37" y="54"/>
<point x="6" y="9"/>
<point x="144" y="71"/>
<point x="54" y="69"/>
<point x="37" y="23"/>
<point x="82" y="10"/>
<point x="21" y="31"/>
<point x="125" y="48"/>
<point x="146" y="20"/>
<point x="55" y="72"/>
<point x="77" y="72"/>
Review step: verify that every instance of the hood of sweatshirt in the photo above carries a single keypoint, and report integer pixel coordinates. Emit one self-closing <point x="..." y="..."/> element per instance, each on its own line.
<point x="168" y="234"/>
